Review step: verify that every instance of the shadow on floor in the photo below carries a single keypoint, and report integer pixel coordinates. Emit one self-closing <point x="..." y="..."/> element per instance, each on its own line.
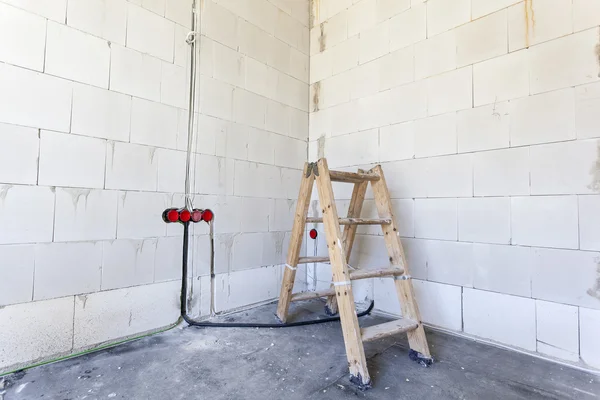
<point x="295" y="363"/>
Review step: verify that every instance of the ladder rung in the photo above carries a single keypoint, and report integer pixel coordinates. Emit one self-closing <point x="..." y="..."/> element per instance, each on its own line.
<point x="375" y="273"/>
<point x="354" y="221"/>
<point x="387" y="329"/>
<point x="312" y="295"/>
<point x="352" y="177"/>
<point x="354" y="275"/>
<point x="309" y="260"/>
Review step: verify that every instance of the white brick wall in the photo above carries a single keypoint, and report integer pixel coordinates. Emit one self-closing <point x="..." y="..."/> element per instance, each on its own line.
<point x="545" y="221"/>
<point x="27" y="214"/>
<point x="482" y="39"/>
<point x="153" y="124"/>
<point x="504" y="269"/>
<point x="149" y="33"/>
<point x="501" y="172"/>
<point x="106" y="19"/>
<point x="69" y="160"/>
<point x="435" y="136"/>
<point x="24" y="35"/>
<point x="589" y="222"/>
<point x="557" y="330"/>
<point x="451" y="91"/>
<point x="548" y="19"/>
<point x="589" y="322"/>
<point x="253" y="102"/>
<point x="100" y="113"/>
<point x="130" y="310"/>
<point x="436" y="219"/>
<point x="53" y="9"/>
<point x="483" y="128"/>
<point x="19" y="150"/>
<point x="543" y="118"/>
<point x="575" y="66"/>
<point x="77" y="56"/>
<point x="443" y="15"/>
<point x="577" y="287"/>
<point x="139" y="214"/>
<point x="17" y="269"/>
<point x="128" y="263"/>
<point x="134" y="73"/>
<point x="81" y="262"/>
<point x="22" y="343"/>
<point x="131" y="166"/>
<point x="93" y="133"/>
<point x="435" y="55"/>
<point x="439" y="304"/>
<point x="503" y="318"/>
<point x="484" y="220"/>
<point x="93" y="140"/>
<point x="486" y="122"/>
<point x="501" y="78"/>
<point x="32" y="99"/>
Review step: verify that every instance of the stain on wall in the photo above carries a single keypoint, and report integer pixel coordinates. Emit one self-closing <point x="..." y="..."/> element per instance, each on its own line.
<point x="595" y="172"/>
<point x="316" y="96"/>
<point x="151" y="154"/>
<point x="226" y="242"/>
<point x="529" y="21"/>
<point x="594" y="291"/>
<point x="4" y="192"/>
<point x="321" y="147"/>
<point x="598" y="54"/>
<point x="322" y="38"/>
<point x="315" y="11"/>
<point x="279" y="241"/>
<point x="77" y="194"/>
<point x="83" y="298"/>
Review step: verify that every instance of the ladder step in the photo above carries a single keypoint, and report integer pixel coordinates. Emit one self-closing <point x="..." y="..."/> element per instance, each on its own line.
<point x="352" y="177"/>
<point x="354" y="275"/>
<point x="387" y="329"/>
<point x="312" y="295"/>
<point x="310" y="260"/>
<point x="375" y="273"/>
<point x="354" y="221"/>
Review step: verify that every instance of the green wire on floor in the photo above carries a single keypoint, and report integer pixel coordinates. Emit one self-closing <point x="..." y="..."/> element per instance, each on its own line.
<point x="103" y="347"/>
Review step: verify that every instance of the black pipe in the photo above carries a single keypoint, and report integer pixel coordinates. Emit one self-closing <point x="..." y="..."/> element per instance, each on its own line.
<point x="193" y="322"/>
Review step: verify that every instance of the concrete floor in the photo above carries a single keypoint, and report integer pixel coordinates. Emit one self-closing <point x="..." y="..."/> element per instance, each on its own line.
<point x="295" y="363"/>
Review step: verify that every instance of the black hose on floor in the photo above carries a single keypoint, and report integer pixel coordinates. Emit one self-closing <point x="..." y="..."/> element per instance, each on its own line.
<point x="193" y="322"/>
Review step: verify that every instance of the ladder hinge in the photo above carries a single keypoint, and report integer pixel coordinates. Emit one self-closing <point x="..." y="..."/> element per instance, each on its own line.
<point x="402" y="277"/>
<point x="312" y="168"/>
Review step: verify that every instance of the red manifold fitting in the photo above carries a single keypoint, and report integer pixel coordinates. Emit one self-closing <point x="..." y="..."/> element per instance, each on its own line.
<point x="313" y="233"/>
<point x="196" y="215"/>
<point x="170" y="215"/>
<point x="184" y="215"/>
<point x="207" y="215"/>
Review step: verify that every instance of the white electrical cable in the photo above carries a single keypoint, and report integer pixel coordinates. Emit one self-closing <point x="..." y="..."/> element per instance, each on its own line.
<point x="194" y="88"/>
<point x="192" y="131"/>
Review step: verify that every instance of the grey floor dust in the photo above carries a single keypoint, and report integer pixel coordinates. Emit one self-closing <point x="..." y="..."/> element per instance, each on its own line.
<point x="295" y="363"/>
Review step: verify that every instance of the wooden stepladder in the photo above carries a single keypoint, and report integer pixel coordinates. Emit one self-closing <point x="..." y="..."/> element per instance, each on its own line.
<point x="340" y="245"/>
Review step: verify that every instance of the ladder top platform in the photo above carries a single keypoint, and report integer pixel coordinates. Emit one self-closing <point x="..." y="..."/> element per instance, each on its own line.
<point x="352" y="177"/>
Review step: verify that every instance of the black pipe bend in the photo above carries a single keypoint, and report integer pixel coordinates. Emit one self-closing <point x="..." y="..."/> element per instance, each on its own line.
<point x="193" y="322"/>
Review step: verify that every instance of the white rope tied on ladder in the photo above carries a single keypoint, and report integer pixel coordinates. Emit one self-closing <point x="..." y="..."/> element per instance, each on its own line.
<point x="290" y="267"/>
